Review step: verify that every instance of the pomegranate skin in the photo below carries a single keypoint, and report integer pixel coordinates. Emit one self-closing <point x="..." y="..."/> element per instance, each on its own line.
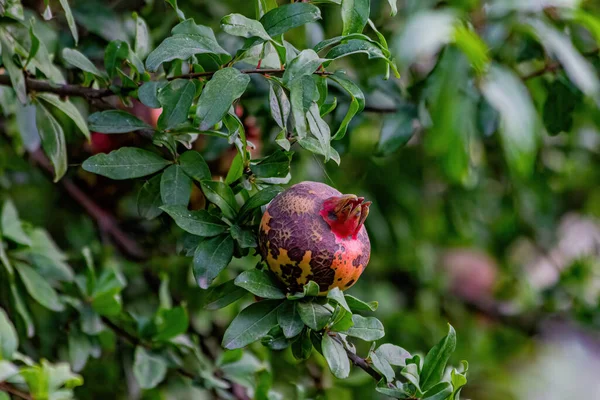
<point x="299" y="246"/>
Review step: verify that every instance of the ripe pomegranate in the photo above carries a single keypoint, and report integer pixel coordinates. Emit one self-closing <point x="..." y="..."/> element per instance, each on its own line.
<point x="313" y="232"/>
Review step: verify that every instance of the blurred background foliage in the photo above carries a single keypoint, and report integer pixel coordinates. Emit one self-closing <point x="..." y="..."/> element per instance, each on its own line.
<point x="482" y="162"/>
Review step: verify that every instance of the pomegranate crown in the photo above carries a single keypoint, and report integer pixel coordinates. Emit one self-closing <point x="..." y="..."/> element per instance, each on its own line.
<point x="345" y="214"/>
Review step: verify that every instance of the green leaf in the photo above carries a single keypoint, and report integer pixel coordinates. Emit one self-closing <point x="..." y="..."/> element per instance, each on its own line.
<point x="302" y="347"/>
<point x="7" y="370"/>
<point x="149" y="369"/>
<point x="368" y="329"/>
<point x="356" y="46"/>
<point x="22" y="309"/>
<point x="115" y="121"/>
<point x="288" y="16"/>
<point x="53" y="140"/>
<point x="222" y="295"/>
<point x="13" y="9"/>
<point x="251" y="324"/>
<point x="16" y="74"/>
<point x="143" y="42"/>
<point x="559" y="106"/>
<point x="459" y="379"/>
<point x="289" y="319"/>
<point x="336" y="357"/>
<point x="280" y="104"/>
<point x="519" y="126"/>
<point x="311" y="289"/>
<point x="175" y="186"/>
<point x="355" y="14"/>
<point x="473" y="47"/>
<point x="170" y="323"/>
<point x="194" y="165"/>
<point x="302" y="94"/>
<point x="10" y="225"/>
<point x="382" y="366"/>
<point x="39" y="288"/>
<point x="259" y="199"/>
<point x="25" y="118"/>
<point x="395" y="355"/>
<point x="357" y="102"/>
<point x="199" y="222"/>
<point x="78" y="60"/>
<point x="149" y="199"/>
<point x="182" y="47"/>
<point x="425" y="33"/>
<point x="396" y="131"/>
<point x="264" y="6"/>
<point x="9" y="341"/>
<point x="70" y="20"/>
<point x="319" y="128"/>
<point x="341" y="320"/>
<point x="239" y="25"/>
<point x="441" y="391"/>
<point x="411" y="373"/>
<point x="314" y="315"/>
<point x="219" y="94"/>
<point x="173" y="3"/>
<point x="394" y="7"/>
<point x="436" y="359"/>
<point x="259" y="283"/>
<point x="175" y="99"/>
<point x="305" y="63"/>
<point x="80" y="349"/>
<point x="35" y="42"/>
<point x="236" y="170"/>
<point x="125" y="163"/>
<point x="338" y="39"/>
<point x="337" y="295"/>
<point x="276" y="165"/>
<point x="148" y="93"/>
<point x="211" y="257"/>
<point x="68" y="109"/>
<point x="222" y="196"/>
<point x="245" y="237"/>
<point x="395" y="392"/>
<point x="108" y="302"/>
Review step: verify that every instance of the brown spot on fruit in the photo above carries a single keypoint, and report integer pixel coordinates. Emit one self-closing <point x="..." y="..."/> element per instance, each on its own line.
<point x="299" y="245"/>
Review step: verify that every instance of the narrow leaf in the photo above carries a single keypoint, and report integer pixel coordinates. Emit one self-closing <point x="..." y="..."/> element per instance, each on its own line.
<point x="211" y="257"/>
<point x="175" y="186"/>
<point x="199" y="222"/>
<point x="251" y="324"/>
<point x="125" y="163"/>
<point x="219" y="93"/>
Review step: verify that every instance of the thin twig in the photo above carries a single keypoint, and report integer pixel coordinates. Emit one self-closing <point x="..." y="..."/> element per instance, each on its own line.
<point x="359" y="361"/>
<point x="261" y="71"/>
<point x="8" y="388"/>
<point x="555" y="66"/>
<point x="37" y="85"/>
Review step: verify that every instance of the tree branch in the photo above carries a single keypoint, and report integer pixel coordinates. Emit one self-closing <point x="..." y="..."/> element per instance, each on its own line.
<point x="359" y="361"/>
<point x="37" y="85"/>
<point x="10" y="389"/>
<point x="555" y="66"/>
<point x="261" y="71"/>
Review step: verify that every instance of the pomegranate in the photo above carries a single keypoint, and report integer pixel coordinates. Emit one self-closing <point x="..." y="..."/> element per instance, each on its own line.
<point x="313" y="232"/>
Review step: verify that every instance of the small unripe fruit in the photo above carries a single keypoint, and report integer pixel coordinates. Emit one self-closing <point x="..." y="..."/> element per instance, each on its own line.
<point x="313" y="232"/>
